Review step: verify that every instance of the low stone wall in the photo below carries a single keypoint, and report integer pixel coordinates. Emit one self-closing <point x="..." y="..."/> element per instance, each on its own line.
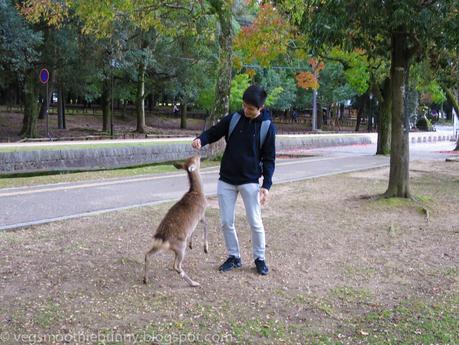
<point x="125" y="156"/>
<point x="92" y="158"/>
<point x="317" y="141"/>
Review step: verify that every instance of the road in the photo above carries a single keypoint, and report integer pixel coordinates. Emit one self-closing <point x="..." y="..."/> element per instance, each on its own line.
<point x="25" y="206"/>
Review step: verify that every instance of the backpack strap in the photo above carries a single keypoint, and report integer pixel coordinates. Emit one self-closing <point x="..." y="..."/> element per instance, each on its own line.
<point x="263" y="129"/>
<point x="234" y="120"/>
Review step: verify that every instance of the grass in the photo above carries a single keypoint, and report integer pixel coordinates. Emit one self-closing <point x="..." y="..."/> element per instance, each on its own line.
<point x="422" y="204"/>
<point x="412" y="322"/>
<point x="349" y="294"/>
<point x="21" y="180"/>
<point x="49" y="315"/>
<point x="268" y="328"/>
<point x="336" y="277"/>
<point x="402" y="202"/>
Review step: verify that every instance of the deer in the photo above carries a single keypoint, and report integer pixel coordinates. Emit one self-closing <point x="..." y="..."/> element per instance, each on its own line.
<point x="179" y="223"/>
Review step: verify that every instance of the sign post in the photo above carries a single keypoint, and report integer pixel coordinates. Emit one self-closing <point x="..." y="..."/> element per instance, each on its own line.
<point x="44" y="78"/>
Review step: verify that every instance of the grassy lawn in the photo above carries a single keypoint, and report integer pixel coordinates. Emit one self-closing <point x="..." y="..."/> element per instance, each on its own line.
<point x="61" y="177"/>
<point x="345" y="269"/>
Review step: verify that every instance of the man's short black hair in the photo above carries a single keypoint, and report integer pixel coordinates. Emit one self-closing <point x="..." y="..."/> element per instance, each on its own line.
<point x="255" y="95"/>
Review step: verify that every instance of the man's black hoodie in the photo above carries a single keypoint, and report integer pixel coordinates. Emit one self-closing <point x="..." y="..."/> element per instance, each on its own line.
<point x="243" y="160"/>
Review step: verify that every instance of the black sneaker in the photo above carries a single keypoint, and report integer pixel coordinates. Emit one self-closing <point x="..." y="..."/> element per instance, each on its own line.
<point x="230" y="263"/>
<point x="261" y="267"/>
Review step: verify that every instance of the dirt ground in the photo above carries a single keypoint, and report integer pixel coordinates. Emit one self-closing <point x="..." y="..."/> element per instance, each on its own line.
<point x="345" y="269"/>
<point x="91" y="125"/>
<point x="83" y="125"/>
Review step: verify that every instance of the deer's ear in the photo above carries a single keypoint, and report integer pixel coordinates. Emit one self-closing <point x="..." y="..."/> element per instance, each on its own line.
<point x="192" y="168"/>
<point x="179" y="165"/>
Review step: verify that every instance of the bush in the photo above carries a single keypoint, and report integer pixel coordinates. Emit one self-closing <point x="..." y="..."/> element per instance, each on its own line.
<point x="424" y="124"/>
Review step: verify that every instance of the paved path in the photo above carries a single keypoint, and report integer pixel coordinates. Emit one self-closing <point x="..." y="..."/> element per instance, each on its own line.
<point x="26" y="206"/>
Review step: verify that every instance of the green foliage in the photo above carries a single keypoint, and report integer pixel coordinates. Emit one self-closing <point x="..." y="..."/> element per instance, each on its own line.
<point x="19" y="43"/>
<point x="303" y="99"/>
<point x="334" y="86"/>
<point x="432" y="92"/>
<point x="355" y="68"/>
<point x="238" y="85"/>
<point x="280" y="86"/>
<point x="425" y="82"/>
<point x="206" y="98"/>
<point x="273" y="96"/>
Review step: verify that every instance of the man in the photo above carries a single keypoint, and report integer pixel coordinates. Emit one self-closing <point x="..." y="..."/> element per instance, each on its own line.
<point x="249" y="154"/>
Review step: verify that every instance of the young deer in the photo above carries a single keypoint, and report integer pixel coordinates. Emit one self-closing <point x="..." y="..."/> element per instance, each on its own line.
<point x="180" y="221"/>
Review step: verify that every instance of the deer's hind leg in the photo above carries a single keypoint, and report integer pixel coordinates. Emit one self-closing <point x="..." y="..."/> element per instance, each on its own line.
<point x="145" y="268"/>
<point x="179" y="250"/>
<point x="175" y="262"/>
<point x="206" y="243"/>
<point x="190" y="241"/>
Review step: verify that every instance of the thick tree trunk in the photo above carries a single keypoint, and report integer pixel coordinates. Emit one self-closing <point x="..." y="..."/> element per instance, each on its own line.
<point x="400" y="154"/>
<point x="183" y="115"/>
<point x="29" y="129"/>
<point x="140" y="101"/>
<point x="384" y="119"/>
<point x="105" y="102"/>
<point x="225" y="39"/>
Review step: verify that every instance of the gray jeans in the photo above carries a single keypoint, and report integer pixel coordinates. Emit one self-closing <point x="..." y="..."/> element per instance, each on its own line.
<point x="227" y="196"/>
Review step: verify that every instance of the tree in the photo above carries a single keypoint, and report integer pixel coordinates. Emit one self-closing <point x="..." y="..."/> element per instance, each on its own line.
<point x="280" y="85"/>
<point x="445" y="64"/>
<point x="117" y="23"/>
<point x="19" y="53"/>
<point x="264" y="40"/>
<point x="222" y="10"/>
<point x="378" y="27"/>
<point x="310" y="80"/>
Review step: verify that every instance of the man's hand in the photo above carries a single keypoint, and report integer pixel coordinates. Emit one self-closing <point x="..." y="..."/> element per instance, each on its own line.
<point x="264" y="194"/>
<point x="196" y="144"/>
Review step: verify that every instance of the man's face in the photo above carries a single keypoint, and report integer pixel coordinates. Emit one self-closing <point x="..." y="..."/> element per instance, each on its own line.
<point x="251" y="111"/>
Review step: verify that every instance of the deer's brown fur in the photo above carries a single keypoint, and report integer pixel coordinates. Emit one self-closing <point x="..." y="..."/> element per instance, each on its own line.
<point x="181" y="220"/>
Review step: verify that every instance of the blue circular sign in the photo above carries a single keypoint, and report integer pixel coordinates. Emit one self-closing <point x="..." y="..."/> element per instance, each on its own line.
<point x="44" y="76"/>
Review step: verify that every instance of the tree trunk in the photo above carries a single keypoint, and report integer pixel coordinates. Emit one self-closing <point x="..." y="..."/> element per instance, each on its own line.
<point x="140" y="102"/>
<point x="18" y="93"/>
<point x="150" y="102"/>
<point x="29" y="129"/>
<point x="400" y="154"/>
<point x="360" y="111"/>
<point x="225" y="39"/>
<point x="370" y="114"/>
<point x="384" y="119"/>
<point x="105" y="102"/>
<point x="183" y="115"/>
<point x="123" y="111"/>
<point x="341" y="112"/>
<point x="61" y="109"/>
<point x="455" y="103"/>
